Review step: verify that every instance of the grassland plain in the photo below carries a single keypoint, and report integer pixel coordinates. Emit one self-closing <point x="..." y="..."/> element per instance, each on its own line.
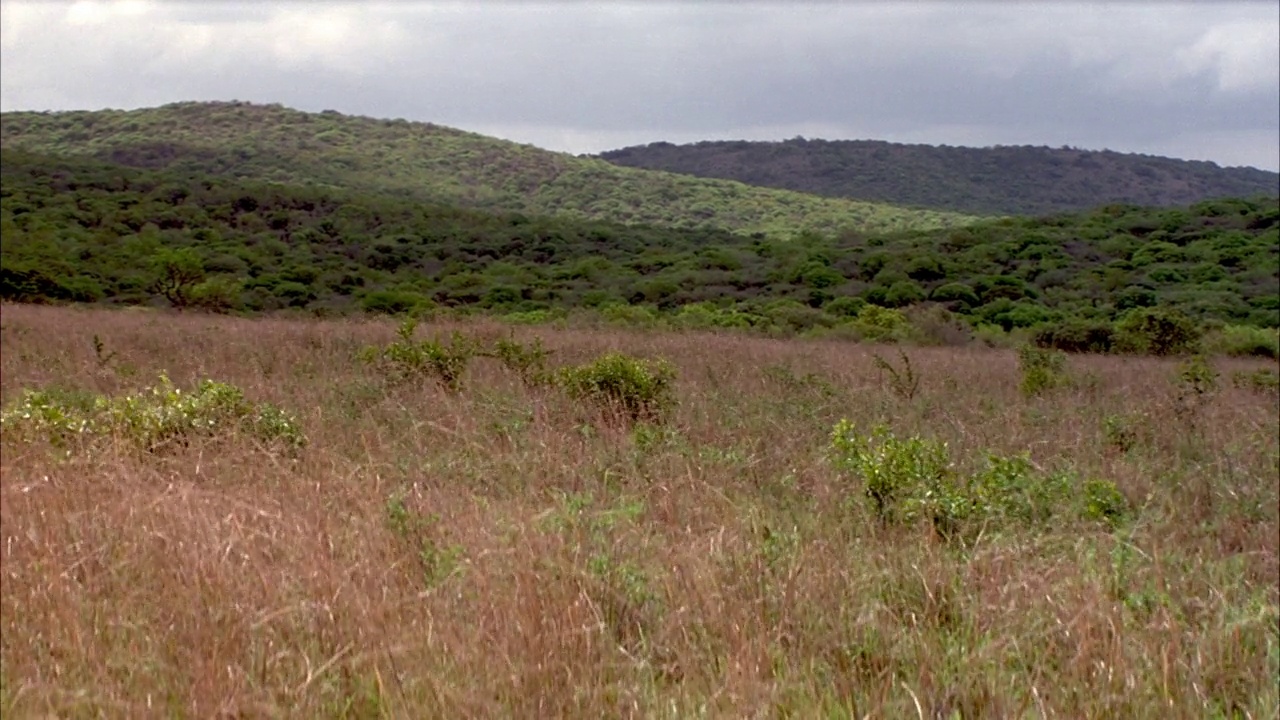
<point x="502" y="551"/>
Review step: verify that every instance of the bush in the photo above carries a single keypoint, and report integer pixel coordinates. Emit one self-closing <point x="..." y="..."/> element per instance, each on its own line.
<point x="1245" y="341"/>
<point x="1077" y="336"/>
<point x="641" y="389"/>
<point x="527" y="361"/>
<point x="1103" y="502"/>
<point x="900" y="477"/>
<point x="1157" y="331"/>
<point x="936" y="325"/>
<point x="1042" y="370"/>
<point x="958" y="294"/>
<point x="395" y="302"/>
<point x="152" y="418"/>
<point x="845" y="306"/>
<point x="879" y="324"/>
<point x="1265" y="380"/>
<point x="405" y="359"/>
<point x="913" y="479"/>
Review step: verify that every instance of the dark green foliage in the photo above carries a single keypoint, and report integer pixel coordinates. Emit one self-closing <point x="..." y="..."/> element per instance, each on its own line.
<point x="985" y="181"/>
<point x="1042" y="370"/>
<point x="422" y="162"/>
<point x="1077" y="336"/>
<point x="77" y="230"/>
<point x="405" y="359"/>
<point x="640" y="389"/>
<point x="1158" y="331"/>
<point x="527" y="361"/>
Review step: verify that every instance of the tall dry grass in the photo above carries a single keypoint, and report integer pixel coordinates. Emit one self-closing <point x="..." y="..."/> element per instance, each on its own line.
<point x="501" y="552"/>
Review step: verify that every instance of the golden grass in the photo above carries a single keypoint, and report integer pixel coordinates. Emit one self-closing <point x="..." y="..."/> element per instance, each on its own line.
<point x="501" y="552"/>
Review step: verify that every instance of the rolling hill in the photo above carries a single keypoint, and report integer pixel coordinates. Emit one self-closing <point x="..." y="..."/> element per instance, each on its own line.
<point x="437" y="164"/>
<point x="80" y="229"/>
<point x="988" y="181"/>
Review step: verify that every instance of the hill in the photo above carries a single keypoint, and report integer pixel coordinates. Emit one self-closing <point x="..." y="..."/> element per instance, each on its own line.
<point x="426" y="162"/>
<point x="988" y="181"/>
<point x="78" y="229"/>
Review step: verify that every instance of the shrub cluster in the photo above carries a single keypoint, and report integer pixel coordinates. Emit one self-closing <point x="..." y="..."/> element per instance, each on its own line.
<point x="638" y="388"/>
<point x="151" y="418"/>
<point x="908" y="480"/>
<point x="641" y="389"/>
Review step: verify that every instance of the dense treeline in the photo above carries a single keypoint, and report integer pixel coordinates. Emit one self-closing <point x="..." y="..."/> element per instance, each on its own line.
<point x="80" y="230"/>
<point x="1019" y="180"/>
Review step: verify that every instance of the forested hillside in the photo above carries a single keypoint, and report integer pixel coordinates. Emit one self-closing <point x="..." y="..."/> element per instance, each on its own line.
<point x="434" y="164"/>
<point x="1019" y="180"/>
<point x="79" y="229"/>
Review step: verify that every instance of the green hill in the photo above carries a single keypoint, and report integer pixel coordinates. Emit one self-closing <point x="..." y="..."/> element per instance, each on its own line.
<point x="77" y="229"/>
<point x="436" y="164"/>
<point x="982" y="181"/>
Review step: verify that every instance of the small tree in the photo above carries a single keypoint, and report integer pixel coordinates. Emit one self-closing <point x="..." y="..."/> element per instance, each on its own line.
<point x="177" y="273"/>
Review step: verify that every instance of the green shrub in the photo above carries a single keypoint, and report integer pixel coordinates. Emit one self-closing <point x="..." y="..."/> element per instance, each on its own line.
<point x="913" y="479"/>
<point x="1197" y="382"/>
<point x="1119" y="432"/>
<point x="1104" y="502"/>
<point x="405" y="359"/>
<point x="630" y="315"/>
<point x="1264" y="380"/>
<point x="1077" y="336"/>
<point x="903" y="479"/>
<point x="152" y="418"/>
<point x="1246" y="341"/>
<point x="395" y="302"/>
<point x="1042" y="370"/>
<point x="527" y="361"/>
<point x="879" y="324"/>
<point x="934" y="324"/>
<point x="641" y="389"/>
<point x="845" y="306"/>
<point x="1011" y="489"/>
<point x="1157" y="331"/>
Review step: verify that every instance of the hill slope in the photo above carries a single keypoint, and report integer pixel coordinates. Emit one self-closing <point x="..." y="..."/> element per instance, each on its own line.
<point x="989" y="181"/>
<point x="79" y="229"/>
<point x="432" y="163"/>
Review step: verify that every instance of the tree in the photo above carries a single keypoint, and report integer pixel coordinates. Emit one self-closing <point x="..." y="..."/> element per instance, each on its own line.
<point x="177" y="272"/>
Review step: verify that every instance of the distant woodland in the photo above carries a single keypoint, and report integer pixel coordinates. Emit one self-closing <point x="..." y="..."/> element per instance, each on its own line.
<point x="1011" y="180"/>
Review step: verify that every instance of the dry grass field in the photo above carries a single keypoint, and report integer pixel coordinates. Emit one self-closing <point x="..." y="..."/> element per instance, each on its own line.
<point x="507" y="551"/>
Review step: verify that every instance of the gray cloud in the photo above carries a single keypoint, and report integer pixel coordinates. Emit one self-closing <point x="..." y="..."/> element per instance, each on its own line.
<point x="1198" y="81"/>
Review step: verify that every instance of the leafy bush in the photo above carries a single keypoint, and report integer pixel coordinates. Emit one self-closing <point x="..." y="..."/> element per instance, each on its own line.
<point x="1157" y="331"/>
<point x="527" y="361"/>
<point x="846" y="306"/>
<point x="934" y="324"/>
<point x="1042" y="370"/>
<point x="1077" y="336"/>
<point x="902" y="478"/>
<point x="1197" y="382"/>
<point x="1119" y="432"/>
<point x="1011" y="489"/>
<point x="152" y="418"/>
<point x="1246" y="341"/>
<point x="1265" y="380"/>
<point x="641" y="389"/>
<point x="395" y="302"/>
<point x="879" y="324"/>
<point x="406" y="359"/>
<point x="1104" y="502"/>
<point x="913" y="479"/>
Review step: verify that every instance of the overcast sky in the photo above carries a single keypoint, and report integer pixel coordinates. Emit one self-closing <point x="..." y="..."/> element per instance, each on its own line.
<point x="1190" y="80"/>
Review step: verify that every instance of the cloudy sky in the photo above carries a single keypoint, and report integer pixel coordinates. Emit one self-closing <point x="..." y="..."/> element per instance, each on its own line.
<point x="1191" y="80"/>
